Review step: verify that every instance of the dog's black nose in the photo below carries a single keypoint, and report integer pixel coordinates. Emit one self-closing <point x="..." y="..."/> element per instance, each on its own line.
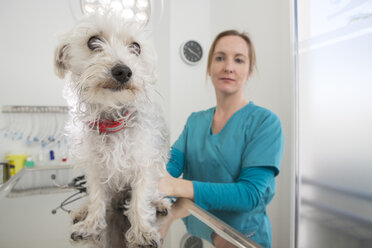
<point x="121" y="73"/>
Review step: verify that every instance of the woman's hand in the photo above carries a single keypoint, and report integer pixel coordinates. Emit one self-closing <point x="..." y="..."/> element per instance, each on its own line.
<point x="166" y="185"/>
<point x="176" y="187"/>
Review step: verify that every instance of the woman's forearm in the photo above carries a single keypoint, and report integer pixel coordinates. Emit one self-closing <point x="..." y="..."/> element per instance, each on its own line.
<point x="183" y="188"/>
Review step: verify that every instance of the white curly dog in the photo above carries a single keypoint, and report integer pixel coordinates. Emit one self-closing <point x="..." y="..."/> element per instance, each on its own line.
<point x="119" y="136"/>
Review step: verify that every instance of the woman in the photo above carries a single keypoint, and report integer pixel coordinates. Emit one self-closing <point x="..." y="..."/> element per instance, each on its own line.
<point x="230" y="154"/>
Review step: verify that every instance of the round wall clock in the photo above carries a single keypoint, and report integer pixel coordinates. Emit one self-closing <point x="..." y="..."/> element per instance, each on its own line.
<point x="191" y="52"/>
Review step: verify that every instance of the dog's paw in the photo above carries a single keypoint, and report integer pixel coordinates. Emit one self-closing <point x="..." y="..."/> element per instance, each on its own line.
<point x="152" y="239"/>
<point x="83" y="231"/>
<point x="76" y="236"/>
<point x="80" y="215"/>
<point x="79" y="233"/>
<point x="153" y="244"/>
<point x="149" y="239"/>
<point x="162" y="212"/>
<point x="162" y="207"/>
<point x="82" y="239"/>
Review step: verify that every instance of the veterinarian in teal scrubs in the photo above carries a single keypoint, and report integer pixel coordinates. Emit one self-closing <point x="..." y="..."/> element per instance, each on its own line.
<point x="229" y="154"/>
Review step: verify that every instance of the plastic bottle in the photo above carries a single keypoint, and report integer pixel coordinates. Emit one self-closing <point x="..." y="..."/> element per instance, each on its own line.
<point x="51" y="157"/>
<point x="29" y="162"/>
<point x="42" y="156"/>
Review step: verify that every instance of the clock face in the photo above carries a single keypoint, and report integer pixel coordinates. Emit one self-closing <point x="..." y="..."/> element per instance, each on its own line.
<point x="191" y="52"/>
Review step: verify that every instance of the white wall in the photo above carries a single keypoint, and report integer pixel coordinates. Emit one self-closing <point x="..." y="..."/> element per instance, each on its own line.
<point x="189" y="92"/>
<point x="29" y="34"/>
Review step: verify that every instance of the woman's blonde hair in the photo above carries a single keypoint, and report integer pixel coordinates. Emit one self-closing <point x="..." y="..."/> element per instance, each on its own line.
<point x="244" y="36"/>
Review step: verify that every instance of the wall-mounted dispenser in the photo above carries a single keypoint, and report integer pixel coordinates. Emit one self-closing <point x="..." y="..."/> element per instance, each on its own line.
<point x="16" y="163"/>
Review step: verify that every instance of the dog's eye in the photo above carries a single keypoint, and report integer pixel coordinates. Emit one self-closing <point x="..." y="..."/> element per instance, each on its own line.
<point x="95" y="43"/>
<point x="135" y="48"/>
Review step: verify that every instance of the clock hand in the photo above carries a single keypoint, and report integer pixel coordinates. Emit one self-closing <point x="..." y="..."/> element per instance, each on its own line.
<point x="190" y="50"/>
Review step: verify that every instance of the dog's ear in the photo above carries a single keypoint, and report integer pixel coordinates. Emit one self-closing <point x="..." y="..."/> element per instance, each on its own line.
<point x="61" y="60"/>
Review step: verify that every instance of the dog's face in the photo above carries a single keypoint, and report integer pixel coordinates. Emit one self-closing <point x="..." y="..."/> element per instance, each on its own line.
<point x="111" y="60"/>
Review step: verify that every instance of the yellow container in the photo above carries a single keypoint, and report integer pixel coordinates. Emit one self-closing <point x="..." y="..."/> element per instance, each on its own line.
<point x="17" y="162"/>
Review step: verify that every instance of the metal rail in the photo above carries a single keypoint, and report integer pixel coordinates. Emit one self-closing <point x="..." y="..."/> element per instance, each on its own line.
<point x="220" y="227"/>
<point x="9" y="188"/>
<point x="34" y="109"/>
<point x="339" y="189"/>
<point x="340" y="213"/>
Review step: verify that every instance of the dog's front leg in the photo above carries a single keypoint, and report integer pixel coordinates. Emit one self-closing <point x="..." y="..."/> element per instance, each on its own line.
<point x="142" y="216"/>
<point x="91" y="227"/>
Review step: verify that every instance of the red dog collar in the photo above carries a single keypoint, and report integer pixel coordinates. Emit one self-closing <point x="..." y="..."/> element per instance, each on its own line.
<point x="108" y="126"/>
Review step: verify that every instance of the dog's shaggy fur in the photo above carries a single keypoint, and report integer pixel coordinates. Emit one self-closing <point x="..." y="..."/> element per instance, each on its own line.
<point x="113" y="66"/>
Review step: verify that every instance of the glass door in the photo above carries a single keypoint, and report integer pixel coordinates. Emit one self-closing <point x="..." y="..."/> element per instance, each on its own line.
<point x="334" y="123"/>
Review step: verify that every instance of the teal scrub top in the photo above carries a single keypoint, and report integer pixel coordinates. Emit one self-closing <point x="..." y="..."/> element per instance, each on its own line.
<point x="232" y="171"/>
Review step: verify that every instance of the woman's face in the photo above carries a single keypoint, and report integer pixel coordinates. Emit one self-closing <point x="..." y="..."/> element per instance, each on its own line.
<point x="229" y="69"/>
